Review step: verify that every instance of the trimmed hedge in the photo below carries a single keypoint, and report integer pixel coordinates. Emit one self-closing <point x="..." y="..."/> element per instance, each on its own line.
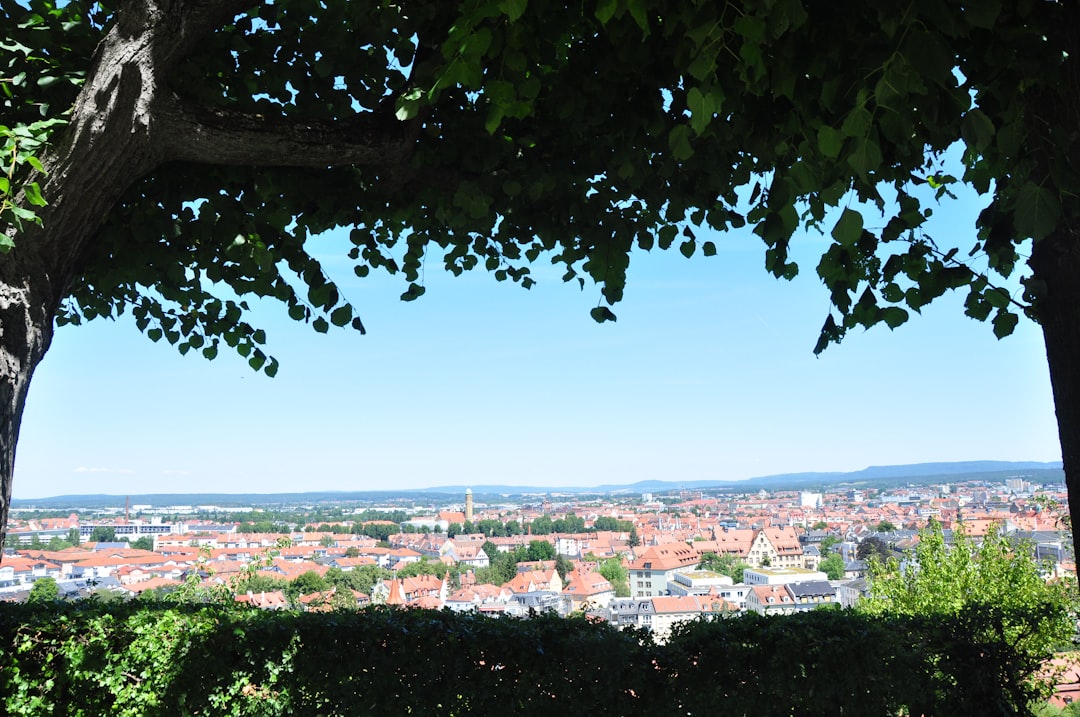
<point x="143" y="660"/>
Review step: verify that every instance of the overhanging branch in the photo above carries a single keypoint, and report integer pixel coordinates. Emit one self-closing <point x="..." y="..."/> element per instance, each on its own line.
<point x="239" y="139"/>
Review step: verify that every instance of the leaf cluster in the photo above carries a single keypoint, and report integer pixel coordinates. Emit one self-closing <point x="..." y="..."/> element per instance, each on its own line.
<point x="581" y="134"/>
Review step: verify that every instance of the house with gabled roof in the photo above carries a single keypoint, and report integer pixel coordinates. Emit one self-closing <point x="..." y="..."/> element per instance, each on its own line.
<point x="812" y="594"/>
<point x="273" y="600"/>
<point x="478" y="597"/>
<point x="586" y="590"/>
<point x="776" y="547"/>
<point x="770" y="600"/>
<point x="656" y="565"/>
<point x="535" y="581"/>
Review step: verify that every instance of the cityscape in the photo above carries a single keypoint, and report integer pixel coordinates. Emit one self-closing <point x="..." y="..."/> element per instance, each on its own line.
<point x="648" y="561"/>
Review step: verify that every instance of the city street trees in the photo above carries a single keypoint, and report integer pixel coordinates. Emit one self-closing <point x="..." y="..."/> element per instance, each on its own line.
<point x="945" y="579"/>
<point x="170" y="160"/>
<point x="832" y="566"/>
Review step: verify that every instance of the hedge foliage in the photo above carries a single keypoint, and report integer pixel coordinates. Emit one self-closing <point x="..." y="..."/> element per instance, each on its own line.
<point x="164" y="659"/>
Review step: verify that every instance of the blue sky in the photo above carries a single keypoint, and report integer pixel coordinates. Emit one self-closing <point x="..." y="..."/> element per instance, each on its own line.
<point x="708" y="374"/>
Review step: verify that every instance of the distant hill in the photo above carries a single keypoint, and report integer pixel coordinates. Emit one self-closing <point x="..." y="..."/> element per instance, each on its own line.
<point x="874" y="476"/>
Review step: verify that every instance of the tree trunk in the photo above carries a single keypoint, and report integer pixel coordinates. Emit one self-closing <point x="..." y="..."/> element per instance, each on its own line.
<point x="105" y="148"/>
<point x="1056" y="261"/>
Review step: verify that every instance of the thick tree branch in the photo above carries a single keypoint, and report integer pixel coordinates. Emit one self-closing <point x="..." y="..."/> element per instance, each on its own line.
<point x="238" y="139"/>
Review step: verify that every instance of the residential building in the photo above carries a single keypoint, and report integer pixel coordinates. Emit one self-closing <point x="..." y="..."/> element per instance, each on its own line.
<point x="656" y="565"/>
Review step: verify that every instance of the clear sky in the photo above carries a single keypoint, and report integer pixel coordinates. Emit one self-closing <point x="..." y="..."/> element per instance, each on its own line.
<point x="709" y="373"/>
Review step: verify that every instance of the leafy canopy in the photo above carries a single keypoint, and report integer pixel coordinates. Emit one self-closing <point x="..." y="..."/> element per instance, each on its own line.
<point x="504" y="131"/>
<point x="939" y="578"/>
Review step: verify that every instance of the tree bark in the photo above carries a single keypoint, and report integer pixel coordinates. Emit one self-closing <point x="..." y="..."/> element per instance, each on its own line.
<point x="1055" y="261"/>
<point x="104" y="149"/>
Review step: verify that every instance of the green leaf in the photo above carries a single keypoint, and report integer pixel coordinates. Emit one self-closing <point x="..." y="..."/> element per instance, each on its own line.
<point x="415" y="291"/>
<point x="341" y="315"/>
<point x="849" y="228"/>
<point x="679" y="142"/>
<point x="702" y="107"/>
<point x="408" y="105"/>
<point x="601" y="314"/>
<point x="605" y="10"/>
<point x="513" y="9"/>
<point x="1037" y="211"/>
<point x="830" y="141"/>
<point x="893" y="316"/>
<point x="637" y="11"/>
<point x="977" y="130"/>
<point x="708" y="249"/>
<point x="865" y="157"/>
<point x="320" y="325"/>
<point x="857" y="123"/>
<point x="1004" y="323"/>
<point x="687" y="248"/>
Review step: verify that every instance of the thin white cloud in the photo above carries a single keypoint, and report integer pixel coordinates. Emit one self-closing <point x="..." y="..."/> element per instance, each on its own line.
<point x="120" y="471"/>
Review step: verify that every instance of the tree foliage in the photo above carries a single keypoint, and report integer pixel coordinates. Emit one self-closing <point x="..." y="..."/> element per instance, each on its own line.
<point x="873" y="547"/>
<point x="832" y="566"/>
<point x="616" y="573"/>
<point x="726" y="564"/>
<point x="939" y="578"/>
<point x="176" y="184"/>
<point x="44" y="590"/>
<point x="102" y="534"/>
<point x="144" y="542"/>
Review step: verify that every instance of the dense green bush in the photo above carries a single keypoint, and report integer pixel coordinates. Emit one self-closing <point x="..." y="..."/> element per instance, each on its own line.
<point x="161" y="659"/>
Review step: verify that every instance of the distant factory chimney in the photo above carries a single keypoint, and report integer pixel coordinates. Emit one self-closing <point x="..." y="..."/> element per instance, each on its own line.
<point x="468" y="505"/>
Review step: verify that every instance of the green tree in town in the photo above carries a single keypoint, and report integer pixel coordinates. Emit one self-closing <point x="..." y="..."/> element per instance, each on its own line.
<point x="827" y="544"/>
<point x="540" y="550"/>
<point x="103" y="534"/>
<point x="57" y="543"/>
<point x="44" y="590"/>
<point x="832" y="566"/>
<point x="542" y="526"/>
<point x="169" y="161"/>
<point x="873" y="547"/>
<point x="633" y="540"/>
<point x="943" y="579"/>
<point x="256" y="583"/>
<point x="885" y="526"/>
<point x="563" y="566"/>
<point x="306" y="584"/>
<point x="361" y="578"/>
<point x="616" y="573"/>
<point x="144" y="542"/>
<point x="727" y="564"/>
<point x="569" y="523"/>
<point x="502" y="566"/>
